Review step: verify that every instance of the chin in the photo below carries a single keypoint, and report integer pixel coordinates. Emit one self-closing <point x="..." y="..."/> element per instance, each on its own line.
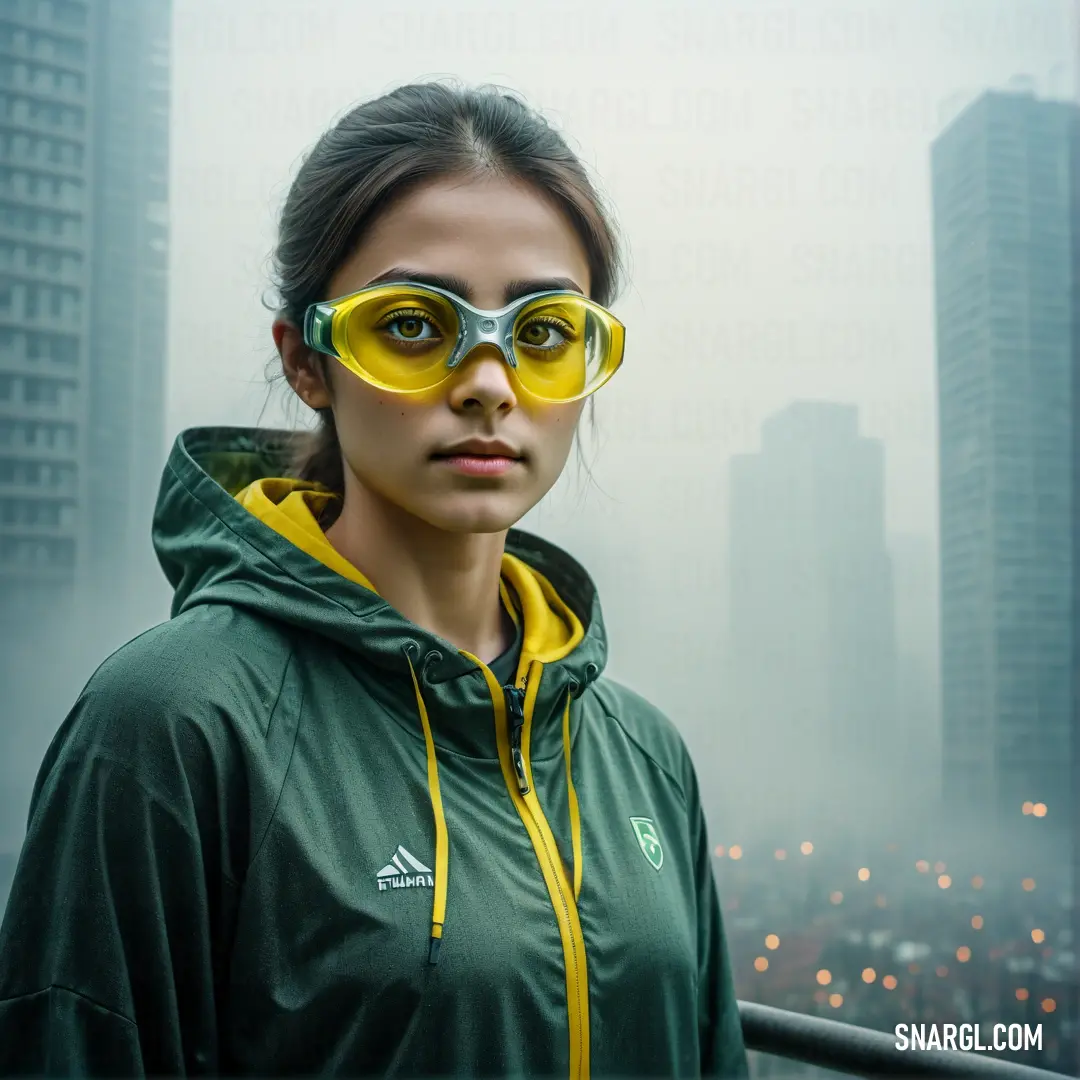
<point x="489" y="512"/>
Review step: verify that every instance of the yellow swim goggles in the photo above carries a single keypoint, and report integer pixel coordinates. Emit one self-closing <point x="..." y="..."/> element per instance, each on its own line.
<point x="408" y="338"/>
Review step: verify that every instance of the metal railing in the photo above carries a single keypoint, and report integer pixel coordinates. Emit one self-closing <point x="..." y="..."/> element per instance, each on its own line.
<point x="858" y="1051"/>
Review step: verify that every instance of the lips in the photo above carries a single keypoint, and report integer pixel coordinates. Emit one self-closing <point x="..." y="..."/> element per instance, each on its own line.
<point x="480" y="448"/>
<point x="480" y="458"/>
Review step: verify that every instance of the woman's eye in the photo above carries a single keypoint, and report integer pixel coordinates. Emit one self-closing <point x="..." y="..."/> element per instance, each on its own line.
<point x="411" y="328"/>
<point x="539" y="335"/>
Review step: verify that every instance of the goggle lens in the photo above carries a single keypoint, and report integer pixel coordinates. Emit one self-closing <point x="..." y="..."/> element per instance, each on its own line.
<point x="398" y="339"/>
<point x="562" y="348"/>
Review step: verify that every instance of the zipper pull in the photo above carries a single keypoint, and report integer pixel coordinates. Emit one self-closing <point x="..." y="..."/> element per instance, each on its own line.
<point x="515" y="718"/>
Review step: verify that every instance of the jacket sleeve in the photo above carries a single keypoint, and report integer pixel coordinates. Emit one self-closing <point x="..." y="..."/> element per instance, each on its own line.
<point x="107" y="951"/>
<point x="723" y="1054"/>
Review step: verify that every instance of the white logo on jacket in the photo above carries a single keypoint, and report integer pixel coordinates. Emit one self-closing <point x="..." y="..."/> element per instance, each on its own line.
<point x="404" y="871"/>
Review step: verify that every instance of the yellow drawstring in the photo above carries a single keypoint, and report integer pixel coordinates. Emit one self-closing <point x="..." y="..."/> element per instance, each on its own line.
<point x="442" y="846"/>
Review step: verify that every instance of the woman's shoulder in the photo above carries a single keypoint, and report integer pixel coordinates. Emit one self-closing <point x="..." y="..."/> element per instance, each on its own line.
<point x="178" y="719"/>
<point x="207" y="651"/>
<point x="646" y="726"/>
<point x="212" y="675"/>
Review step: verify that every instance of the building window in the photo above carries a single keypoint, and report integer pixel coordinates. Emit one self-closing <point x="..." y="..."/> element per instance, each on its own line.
<point x="41" y="391"/>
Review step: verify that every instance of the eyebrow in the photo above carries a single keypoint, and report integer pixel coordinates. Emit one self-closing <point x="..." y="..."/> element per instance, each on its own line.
<point x="513" y="290"/>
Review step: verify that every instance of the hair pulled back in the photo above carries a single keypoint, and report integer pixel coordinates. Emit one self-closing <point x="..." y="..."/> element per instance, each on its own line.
<point x="382" y="148"/>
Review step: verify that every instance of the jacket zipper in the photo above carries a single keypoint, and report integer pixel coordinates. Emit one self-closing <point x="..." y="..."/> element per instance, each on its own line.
<point x="515" y="719"/>
<point x="514" y="699"/>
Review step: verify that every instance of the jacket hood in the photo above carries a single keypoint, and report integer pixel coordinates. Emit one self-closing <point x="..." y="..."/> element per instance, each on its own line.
<point x="214" y="550"/>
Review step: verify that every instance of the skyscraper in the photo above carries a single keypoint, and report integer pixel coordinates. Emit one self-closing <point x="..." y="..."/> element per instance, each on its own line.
<point x="46" y="214"/>
<point x="812" y="631"/>
<point x="1005" y="184"/>
<point x="83" y="247"/>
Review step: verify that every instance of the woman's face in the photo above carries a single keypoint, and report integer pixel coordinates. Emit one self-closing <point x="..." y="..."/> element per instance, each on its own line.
<point x="497" y="240"/>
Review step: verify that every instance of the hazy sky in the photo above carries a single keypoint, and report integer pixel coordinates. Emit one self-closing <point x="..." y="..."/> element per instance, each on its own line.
<point x="768" y="163"/>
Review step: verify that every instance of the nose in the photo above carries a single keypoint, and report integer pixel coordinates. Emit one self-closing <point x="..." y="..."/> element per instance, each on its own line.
<point x="482" y="383"/>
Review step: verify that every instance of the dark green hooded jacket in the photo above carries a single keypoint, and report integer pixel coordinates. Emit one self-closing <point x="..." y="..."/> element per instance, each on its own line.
<point x="289" y="832"/>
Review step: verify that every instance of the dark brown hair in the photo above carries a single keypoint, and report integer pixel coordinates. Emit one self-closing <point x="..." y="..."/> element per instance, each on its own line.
<point x="380" y="149"/>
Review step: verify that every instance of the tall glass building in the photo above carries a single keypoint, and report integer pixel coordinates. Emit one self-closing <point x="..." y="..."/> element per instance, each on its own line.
<point x="1005" y="185"/>
<point x="46" y="165"/>
<point x="84" y="104"/>
<point x="84" y="112"/>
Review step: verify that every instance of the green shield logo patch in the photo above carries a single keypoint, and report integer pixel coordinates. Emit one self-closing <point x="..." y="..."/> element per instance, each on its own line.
<point x="648" y="841"/>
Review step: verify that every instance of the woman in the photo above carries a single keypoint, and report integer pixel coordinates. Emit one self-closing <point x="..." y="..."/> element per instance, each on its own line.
<point x="365" y="804"/>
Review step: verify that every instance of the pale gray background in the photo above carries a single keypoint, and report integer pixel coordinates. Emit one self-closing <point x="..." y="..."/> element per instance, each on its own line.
<point x="768" y="163"/>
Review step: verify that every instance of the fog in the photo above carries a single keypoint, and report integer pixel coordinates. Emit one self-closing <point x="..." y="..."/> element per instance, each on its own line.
<point x="769" y="167"/>
<point x="757" y="498"/>
<point x="768" y="164"/>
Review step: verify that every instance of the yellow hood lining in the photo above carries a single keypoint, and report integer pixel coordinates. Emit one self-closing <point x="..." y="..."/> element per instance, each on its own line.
<point x="292" y="508"/>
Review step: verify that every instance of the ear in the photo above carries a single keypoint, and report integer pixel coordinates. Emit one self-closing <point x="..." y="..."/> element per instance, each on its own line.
<point x="301" y="366"/>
